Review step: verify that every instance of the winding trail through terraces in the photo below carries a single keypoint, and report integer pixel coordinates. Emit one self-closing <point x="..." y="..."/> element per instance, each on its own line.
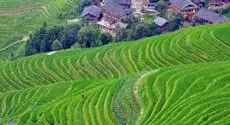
<point x="12" y="44"/>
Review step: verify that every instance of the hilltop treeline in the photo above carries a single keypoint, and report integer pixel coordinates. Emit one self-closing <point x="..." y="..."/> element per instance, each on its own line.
<point x="58" y="37"/>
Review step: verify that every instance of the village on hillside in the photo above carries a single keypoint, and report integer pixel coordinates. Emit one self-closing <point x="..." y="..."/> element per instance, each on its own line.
<point x="100" y="22"/>
<point x="110" y="15"/>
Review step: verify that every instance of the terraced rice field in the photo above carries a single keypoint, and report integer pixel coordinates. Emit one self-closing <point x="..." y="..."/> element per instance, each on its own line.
<point x="19" y="18"/>
<point x="176" y="78"/>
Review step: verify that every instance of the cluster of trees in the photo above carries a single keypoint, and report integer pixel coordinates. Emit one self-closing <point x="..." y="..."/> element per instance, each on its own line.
<point x="58" y="37"/>
<point x="84" y="35"/>
<point x="225" y="11"/>
<point x="72" y="13"/>
<point x="138" y="29"/>
<point x="82" y="4"/>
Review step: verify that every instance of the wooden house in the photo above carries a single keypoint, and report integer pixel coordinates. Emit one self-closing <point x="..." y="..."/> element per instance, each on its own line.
<point x="218" y="4"/>
<point x="91" y="13"/>
<point x="208" y="16"/>
<point x="107" y="27"/>
<point x="200" y="3"/>
<point x="124" y="3"/>
<point x="148" y="4"/>
<point x="114" y="12"/>
<point x="184" y="7"/>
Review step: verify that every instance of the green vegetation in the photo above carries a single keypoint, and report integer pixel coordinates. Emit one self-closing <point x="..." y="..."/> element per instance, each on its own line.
<point x="72" y="36"/>
<point x="28" y="27"/>
<point x="19" y="18"/>
<point x="176" y="78"/>
<point x="225" y="12"/>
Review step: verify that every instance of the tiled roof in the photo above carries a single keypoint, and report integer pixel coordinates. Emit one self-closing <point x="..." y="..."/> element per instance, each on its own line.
<point x="116" y="8"/>
<point x="211" y="16"/>
<point x="123" y="2"/>
<point x="182" y="4"/>
<point x="93" y="10"/>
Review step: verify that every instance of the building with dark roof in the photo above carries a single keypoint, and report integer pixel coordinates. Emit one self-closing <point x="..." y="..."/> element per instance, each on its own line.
<point x="200" y="3"/>
<point x="207" y="16"/>
<point x="125" y="3"/>
<point x="91" y="13"/>
<point x="114" y="12"/>
<point x="218" y="4"/>
<point x="148" y="4"/>
<point x="184" y="7"/>
<point x="183" y="4"/>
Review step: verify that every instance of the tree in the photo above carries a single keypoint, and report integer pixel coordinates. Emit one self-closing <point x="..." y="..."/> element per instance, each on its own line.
<point x="76" y="45"/>
<point x="122" y="34"/>
<point x="69" y="36"/>
<point x="156" y="29"/>
<point x="57" y="45"/>
<point x="55" y="32"/>
<point x="82" y="5"/>
<point x="88" y="36"/>
<point x="105" y="38"/>
<point x="140" y="30"/>
<point x="30" y="48"/>
<point x="175" y="23"/>
<point x="44" y="46"/>
<point x="11" y="57"/>
<point x="161" y="6"/>
<point x="131" y="20"/>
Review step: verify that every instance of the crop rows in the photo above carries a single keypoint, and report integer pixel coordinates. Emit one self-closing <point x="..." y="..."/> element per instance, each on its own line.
<point x="176" y="78"/>
<point x="186" y="95"/>
<point x="86" y="102"/>
<point x="21" y="17"/>
<point x="165" y="97"/>
<point x="117" y="60"/>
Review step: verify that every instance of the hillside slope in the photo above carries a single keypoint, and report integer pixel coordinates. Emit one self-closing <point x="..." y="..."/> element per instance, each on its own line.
<point x="19" y="18"/>
<point x="187" y="46"/>
<point x="191" y="94"/>
<point x="176" y="78"/>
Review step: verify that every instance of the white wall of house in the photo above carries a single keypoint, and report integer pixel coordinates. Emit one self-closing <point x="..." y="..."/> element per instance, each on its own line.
<point x="137" y="5"/>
